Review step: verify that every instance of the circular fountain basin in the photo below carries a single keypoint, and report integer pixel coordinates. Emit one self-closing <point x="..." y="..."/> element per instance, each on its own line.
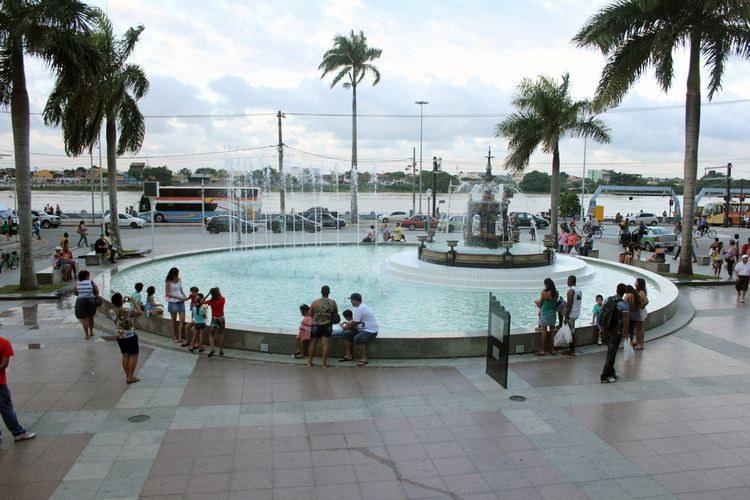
<point x="425" y="314"/>
<point x="520" y="255"/>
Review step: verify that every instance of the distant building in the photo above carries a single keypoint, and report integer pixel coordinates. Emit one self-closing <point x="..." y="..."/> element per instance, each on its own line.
<point x="136" y="168"/>
<point x="594" y="175"/>
<point x="43" y="176"/>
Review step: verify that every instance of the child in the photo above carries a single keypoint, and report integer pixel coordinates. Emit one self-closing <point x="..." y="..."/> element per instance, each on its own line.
<point x="137" y="297"/>
<point x="151" y="307"/>
<point x="595" y="316"/>
<point x="217" y="320"/>
<point x="191" y="325"/>
<point x="305" y="328"/>
<point x="347" y="315"/>
<point x="199" y="312"/>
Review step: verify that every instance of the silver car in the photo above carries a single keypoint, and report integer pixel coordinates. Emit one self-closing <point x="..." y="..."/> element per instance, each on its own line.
<point x="647" y="218"/>
<point x="46" y="220"/>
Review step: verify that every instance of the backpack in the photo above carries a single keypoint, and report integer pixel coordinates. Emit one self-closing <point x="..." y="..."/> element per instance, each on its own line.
<point x="610" y="315"/>
<point x="560" y="306"/>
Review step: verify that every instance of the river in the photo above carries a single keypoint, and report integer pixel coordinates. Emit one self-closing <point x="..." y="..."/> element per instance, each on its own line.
<point x="77" y="201"/>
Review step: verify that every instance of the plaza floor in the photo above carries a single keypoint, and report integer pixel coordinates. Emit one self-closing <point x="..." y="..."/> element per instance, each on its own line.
<point x="676" y="425"/>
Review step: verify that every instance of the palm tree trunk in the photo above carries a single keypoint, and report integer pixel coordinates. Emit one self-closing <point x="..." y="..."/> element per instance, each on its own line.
<point x="19" y="111"/>
<point x="354" y="181"/>
<point x="555" y="192"/>
<point x="111" y="131"/>
<point x="690" y="172"/>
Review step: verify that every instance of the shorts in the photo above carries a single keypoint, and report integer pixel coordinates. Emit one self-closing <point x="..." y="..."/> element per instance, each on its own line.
<point x="548" y="318"/>
<point x="176" y="307"/>
<point x="200" y="326"/>
<point x="360" y="337"/>
<point x="218" y="322"/>
<point x="128" y="345"/>
<point x="321" y="331"/>
<point x="741" y="285"/>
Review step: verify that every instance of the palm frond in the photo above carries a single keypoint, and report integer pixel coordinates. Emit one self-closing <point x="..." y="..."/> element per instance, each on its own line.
<point x="132" y="127"/>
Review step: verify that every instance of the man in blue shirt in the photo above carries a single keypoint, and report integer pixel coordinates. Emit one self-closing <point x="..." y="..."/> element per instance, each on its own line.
<point x="613" y="334"/>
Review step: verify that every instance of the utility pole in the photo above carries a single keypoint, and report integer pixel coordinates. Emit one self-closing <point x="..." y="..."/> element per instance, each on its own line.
<point x="282" y="190"/>
<point x="413" y="179"/>
<point x="421" y="108"/>
<point x="727" y="220"/>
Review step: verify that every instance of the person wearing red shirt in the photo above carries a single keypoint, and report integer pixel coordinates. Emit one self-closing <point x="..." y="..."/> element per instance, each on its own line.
<point x="6" y="404"/>
<point x="746" y="248"/>
<point x="216" y="302"/>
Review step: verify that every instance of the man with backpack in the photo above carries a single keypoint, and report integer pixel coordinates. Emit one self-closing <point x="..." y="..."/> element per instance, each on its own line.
<point x="613" y="320"/>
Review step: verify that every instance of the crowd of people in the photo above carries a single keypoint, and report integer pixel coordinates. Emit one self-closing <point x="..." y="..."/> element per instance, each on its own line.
<point x="573" y="241"/>
<point x="620" y="315"/>
<point x="356" y="327"/>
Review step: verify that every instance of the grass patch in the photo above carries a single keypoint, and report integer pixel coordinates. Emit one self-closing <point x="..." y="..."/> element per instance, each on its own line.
<point x="13" y="289"/>
<point x="690" y="277"/>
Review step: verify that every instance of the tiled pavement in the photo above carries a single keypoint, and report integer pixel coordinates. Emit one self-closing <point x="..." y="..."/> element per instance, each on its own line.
<point x="677" y="425"/>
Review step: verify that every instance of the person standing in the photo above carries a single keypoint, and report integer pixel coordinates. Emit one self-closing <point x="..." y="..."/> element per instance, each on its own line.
<point x="548" y="317"/>
<point x="730" y="257"/>
<point x="613" y="321"/>
<point x="85" y="308"/>
<point x="572" y="311"/>
<point x="176" y="298"/>
<point x="362" y="329"/>
<point x="82" y="234"/>
<point x="127" y="339"/>
<point x="322" y="311"/>
<point x="37" y="229"/>
<point x="639" y="317"/>
<point x="717" y="258"/>
<point x="562" y="239"/>
<point x="743" y="277"/>
<point x="679" y="248"/>
<point x="532" y="231"/>
<point x="7" y="411"/>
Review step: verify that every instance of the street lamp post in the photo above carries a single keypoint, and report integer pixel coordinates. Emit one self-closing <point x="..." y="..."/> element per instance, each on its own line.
<point x="436" y="163"/>
<point x="421" y="115"/>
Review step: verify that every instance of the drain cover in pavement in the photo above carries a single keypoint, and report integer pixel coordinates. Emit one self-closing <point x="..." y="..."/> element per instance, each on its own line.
<point x="138" y="418"/>
<point x="517" y="398"/>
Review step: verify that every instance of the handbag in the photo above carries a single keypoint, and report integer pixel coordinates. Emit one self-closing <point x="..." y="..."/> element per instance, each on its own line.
<point x="335" y="318"/>
<point x="99" y="301"/>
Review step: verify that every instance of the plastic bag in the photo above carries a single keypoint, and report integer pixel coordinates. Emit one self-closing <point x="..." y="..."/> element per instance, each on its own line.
<point x="628" y="352"/>
<point x="563" y="336"/>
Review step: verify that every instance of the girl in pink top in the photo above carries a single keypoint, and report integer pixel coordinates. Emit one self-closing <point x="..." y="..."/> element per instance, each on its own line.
<point x="303" y="336"/>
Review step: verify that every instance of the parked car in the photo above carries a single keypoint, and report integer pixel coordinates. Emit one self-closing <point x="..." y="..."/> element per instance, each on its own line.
<point x="657" y="236"/>
<point x="524" y="219"/>
<point x="125" y="220"/>
<point x="220" y="223"/>
<point x="46" y="220"/>
<point x="397" y="216"/>
<point x="314" y="211"/>
<point x="647" y="218"/>
<point x="418" y="222"/>
<point x="452" y="224"/>
<point x="294" y="223"/>
<point x="327" y="220"/>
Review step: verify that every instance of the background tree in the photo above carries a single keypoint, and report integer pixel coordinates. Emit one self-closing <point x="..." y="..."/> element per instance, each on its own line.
<point x="351" y="57"/>
<point x="50" y="30"/>
<point x="160" y="174"/>
<point x="635" y="35"/>
<point x="546" y="113"/>
<point x="535" y="182"/>
<point x="186" y="172"/>
<point x="570" y="204"/>
<point x="108" y="97"/>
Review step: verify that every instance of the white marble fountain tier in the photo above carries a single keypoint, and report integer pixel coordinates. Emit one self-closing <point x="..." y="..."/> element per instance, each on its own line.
<point x="406" y="266"/>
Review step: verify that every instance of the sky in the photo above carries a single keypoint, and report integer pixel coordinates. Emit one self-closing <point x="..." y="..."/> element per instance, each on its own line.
<point x="465" y="58"/>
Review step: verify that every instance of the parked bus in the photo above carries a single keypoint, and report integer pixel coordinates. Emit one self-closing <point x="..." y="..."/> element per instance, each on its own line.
<point x="715" y="212"/>
<point x="192" y="203"/>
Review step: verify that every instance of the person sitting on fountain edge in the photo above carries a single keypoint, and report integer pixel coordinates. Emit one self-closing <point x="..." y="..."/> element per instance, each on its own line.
<point x="371" y="237"/>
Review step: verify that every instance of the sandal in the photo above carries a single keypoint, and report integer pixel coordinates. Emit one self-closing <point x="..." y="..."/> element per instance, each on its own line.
<point x="345" y="360"/>
<point x="362" y="363"/>
<point x="211" y="353"/>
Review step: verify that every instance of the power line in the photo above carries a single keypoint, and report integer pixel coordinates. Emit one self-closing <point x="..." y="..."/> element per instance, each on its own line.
<point x="499" y="114"/>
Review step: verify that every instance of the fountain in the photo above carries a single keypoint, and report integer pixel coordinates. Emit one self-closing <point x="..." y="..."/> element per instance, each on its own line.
<point x="482" y="241"/>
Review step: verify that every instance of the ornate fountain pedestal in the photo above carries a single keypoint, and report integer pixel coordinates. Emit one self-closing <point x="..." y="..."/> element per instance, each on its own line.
<point x="503" y="260"/>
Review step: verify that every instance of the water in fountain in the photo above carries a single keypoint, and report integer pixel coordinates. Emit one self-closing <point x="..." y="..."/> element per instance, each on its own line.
<point x="354" y="191"/>
<point x="336" y="184"/>
<point x="375" y="190"/>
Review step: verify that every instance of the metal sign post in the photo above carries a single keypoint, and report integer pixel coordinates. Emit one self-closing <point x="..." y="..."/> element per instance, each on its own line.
<point x="498" y="342"/>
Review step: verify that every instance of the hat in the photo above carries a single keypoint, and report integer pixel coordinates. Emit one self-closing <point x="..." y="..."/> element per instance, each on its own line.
<point x="58" y="248"/>
<point x="744" y="256"/>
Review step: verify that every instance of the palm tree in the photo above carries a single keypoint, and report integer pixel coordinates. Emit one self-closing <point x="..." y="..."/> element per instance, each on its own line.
<point x="49" y="30"/>
<point x="351" y="57"/>
<point x="545" y="114"/>
<point x="109" y="97"/>
<point x="635" y="35"/>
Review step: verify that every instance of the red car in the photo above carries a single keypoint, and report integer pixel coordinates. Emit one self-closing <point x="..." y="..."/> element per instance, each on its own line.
<point x="417" y="222"/>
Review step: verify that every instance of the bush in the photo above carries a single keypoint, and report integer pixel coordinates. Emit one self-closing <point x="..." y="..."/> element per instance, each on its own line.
<point x="570" y="204"/>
